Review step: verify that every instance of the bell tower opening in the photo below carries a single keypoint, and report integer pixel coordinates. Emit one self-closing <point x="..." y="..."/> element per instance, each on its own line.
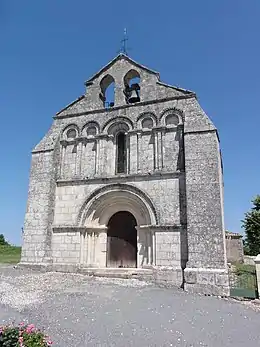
<point x="132" y="87"/>
<point x="122" y="241"/>
<point x="107" y="91"/>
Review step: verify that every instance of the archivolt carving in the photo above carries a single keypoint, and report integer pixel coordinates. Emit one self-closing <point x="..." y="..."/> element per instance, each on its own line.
<point x="115" y="120"/>
<point x="70" y="132"/>
<point x="90" y="129"/>
<point x="146" y="115"/>
<point x="172" y="111"/>
<point x="112" y="198"/>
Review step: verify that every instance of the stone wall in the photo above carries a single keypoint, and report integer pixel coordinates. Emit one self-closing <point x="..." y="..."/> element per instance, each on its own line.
<point x="234" y="247"/>
<point x="249" y="259"/>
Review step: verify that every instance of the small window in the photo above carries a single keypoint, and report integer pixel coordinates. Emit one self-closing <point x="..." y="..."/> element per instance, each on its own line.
<point x="121" y="153"/>
<point x="172" y="120"/>
<point x="91" y="131"/>
<point x="71" y="134"/>
<point x="147" y="123"/>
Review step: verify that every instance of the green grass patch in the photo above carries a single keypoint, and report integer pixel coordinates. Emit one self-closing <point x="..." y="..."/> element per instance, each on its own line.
<point x="10" y="254"/>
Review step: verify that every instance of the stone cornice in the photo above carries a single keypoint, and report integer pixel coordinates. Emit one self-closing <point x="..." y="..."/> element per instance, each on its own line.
<point x="98" y="229"/>
<point x="119" y="178"/>
<point x="78" y="229"/>
<point x="143" y="103"/>
<point x="68" y="229"/>
<point x="199" y="131"/>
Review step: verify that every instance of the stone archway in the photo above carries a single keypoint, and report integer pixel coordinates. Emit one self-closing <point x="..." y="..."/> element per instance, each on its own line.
<point x="122" y="240"/>
<point x="98" y="214"/>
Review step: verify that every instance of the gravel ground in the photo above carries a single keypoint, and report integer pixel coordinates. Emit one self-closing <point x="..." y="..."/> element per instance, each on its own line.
<point x="78" y="311"/>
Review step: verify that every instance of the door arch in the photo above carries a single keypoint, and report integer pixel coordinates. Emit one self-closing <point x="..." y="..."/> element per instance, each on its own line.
<point x="122" y="240"/>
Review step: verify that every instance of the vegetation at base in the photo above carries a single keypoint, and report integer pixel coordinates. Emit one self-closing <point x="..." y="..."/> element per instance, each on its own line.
<point x="244" y="269"/>
<point x="251" y="224"/>
<point x="246" y="276"/>
<point x="9" y="254"/>
<point x="23" y="336"/>
<point x="3" y="241"/>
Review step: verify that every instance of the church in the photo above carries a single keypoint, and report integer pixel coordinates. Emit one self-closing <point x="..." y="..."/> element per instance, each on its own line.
<point x="128" y="182"/>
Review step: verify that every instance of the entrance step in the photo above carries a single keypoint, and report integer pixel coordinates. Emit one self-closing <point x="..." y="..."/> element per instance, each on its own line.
<point x="144" y="274"/>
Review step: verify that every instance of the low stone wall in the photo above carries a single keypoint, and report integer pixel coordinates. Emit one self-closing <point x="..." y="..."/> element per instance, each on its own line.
<point x="249" y="259"/>
<point x="257" y="264"/>
<point x="234" y="248"/>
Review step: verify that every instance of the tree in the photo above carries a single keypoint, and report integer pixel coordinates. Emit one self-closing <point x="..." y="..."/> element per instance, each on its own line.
<point x="3" y="241"/>
<point x="251" y="224"/>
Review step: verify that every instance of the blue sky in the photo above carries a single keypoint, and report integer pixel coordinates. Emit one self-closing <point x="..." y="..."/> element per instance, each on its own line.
<point x="49" y="48"/>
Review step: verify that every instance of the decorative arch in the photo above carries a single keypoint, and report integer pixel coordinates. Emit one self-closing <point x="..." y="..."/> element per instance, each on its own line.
<point x="116" y="120"/>
<point x="146" y="115"/>
<point x="86" y="129"/>
<point x="172" y="112"/>
<point x="70" y="128"/>
<point x="106" y="201"/>
<point x="117" y="127"/>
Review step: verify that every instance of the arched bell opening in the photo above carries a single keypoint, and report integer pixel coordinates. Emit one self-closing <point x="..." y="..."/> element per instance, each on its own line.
<point x="122" y="240"/>
<point x="132" y="87"/>
<point x="107" y="91"/>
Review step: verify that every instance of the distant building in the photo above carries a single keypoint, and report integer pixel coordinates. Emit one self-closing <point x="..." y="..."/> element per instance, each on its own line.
<point x="234" y="247"/>
<point x="132" y="182"/>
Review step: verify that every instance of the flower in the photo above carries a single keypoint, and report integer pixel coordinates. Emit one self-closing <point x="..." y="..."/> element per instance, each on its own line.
<point x="23" y="335"/>
<point x="30" y="328"/>
<point x="20" y="340"/>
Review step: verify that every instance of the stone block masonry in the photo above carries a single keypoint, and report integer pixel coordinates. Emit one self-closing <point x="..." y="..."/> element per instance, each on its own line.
<point x="132" y="187"/>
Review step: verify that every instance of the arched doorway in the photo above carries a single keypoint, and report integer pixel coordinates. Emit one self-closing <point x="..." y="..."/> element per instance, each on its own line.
<point x="122" y="240"/>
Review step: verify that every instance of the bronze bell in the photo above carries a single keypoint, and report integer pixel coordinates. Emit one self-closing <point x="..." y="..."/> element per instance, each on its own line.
<point x="133" y="97"/>
<point x="134" y="94"/>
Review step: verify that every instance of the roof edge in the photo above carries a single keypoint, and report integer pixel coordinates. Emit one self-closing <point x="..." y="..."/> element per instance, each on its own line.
<point x="186" y="91"/>
<point x="72" y="103"/>
<point x="118" y="57"/>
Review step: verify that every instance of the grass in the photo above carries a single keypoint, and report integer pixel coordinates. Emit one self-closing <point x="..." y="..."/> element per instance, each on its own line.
<point x="10" y="254"/>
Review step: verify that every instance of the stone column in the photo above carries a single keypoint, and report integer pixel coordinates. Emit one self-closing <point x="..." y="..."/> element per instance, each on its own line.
<point x="78" y="159"/>
<point x="102" y="256"/>
<point x="97" y="161"/>
<point x="156" y="152"/>
<point x="154" y="247"/>
<point x="93" y="246"/>
<point x="89" y="248"/>
<point x="149" y="245"/>
<point x="145" y="246"/>
<point x="133" y="152"/>
<point x="138" y="151"/>
<point x="140" y="248"/>
<point x="63" y="152"/>
<point x="82" y="248"/>
<point x="257" y="264"/>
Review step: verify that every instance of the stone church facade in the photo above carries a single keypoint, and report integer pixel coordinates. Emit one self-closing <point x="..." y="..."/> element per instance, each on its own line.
<point x="132" y="186"/>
